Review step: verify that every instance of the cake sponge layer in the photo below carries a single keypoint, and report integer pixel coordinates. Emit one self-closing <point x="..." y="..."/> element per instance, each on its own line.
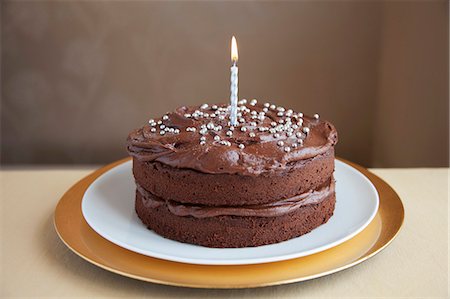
<point x="234" y="231"/>
<point x="189" y="186"/>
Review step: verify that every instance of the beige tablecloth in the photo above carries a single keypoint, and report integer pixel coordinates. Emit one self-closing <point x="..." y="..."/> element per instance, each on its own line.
<point x="35" y="263"/>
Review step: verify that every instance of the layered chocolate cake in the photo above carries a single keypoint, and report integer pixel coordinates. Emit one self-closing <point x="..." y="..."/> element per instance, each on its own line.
<point x="266" y="180"/>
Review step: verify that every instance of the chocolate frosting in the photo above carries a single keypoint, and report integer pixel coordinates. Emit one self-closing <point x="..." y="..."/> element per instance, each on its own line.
<point x="272" y="209"/>
<point x="251" y="151"/>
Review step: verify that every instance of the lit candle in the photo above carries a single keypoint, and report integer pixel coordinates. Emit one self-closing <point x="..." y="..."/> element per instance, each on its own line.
<point x="234" y="83"/>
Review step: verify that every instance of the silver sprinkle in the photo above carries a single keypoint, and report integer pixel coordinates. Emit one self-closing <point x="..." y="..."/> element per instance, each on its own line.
<point x="298" y="134"/>
<point x="251" y="134"/>
<point x="273" y="124"/>
<point x="241" y="120"/>
<point x="187" y="115"/>
<point x="265" y="110"/>
<point x="243" y="129"/>
<point x="253" y="102"/>
<point x="241" y="146"/>
<point x="287" y="149"/>
<point x="253" y="124"/>
<point x="165" y="117"/>
<point x="204" y="106"/>
<point x="294" y="145"/>
<point x="229" y="133"/>
<point x="151" y="120"/>
<point x="153" y="130"/>
<point x="280" y="113"/>
<point x="231" y="128"/>
<point x="202" y="142"/>
<point x="276" y="135"/>
<point x="266" y="105"/>
<point x="280" y="143"/>
<point x="300" y="114"/>
<point x="281" y="109"/>
<point x="162" y="132"/>
<point x="159" y="122"/>
<point x="176" y="131"/>
<point x="203" y="138"/>
<point x="217" y="138"/>
<point x="306" y="130"/>
<point x="294" y="126"/>
<point x="316" y="116"/>
<point x="221" y="117"/>
<point x="210" y="126"/>
<point x="214" y="107"/>
<point x="289" y="134"/>
<point x="203" y="131"/>
<point x="162" y="126"/>
<point x="272" y="107"/>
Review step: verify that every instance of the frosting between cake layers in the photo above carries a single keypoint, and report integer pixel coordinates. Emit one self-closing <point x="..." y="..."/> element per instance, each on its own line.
<point x="250" y="151"/>
<point x="272" y="209"/>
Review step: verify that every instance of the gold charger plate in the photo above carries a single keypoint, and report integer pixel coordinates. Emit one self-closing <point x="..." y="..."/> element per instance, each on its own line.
<point x="81" y="239"/>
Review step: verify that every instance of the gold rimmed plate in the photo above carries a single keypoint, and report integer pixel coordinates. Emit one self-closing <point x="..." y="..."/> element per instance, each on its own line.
<point x="80" y="238"/>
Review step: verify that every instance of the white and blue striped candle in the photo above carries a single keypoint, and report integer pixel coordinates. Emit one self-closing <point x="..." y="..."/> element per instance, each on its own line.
<point x="234" y="83"/>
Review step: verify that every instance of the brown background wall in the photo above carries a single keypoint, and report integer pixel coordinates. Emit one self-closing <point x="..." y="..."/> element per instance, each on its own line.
<point x="77" y="76"/>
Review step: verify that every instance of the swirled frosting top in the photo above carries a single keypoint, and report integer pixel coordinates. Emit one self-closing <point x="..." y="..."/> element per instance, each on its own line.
<point x="266" y="138"/>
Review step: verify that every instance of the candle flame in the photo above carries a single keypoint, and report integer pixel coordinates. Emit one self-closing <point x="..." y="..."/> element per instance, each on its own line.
<point x="234" y="50"/>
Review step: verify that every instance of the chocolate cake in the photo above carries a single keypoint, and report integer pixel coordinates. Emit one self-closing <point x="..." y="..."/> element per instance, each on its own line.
<point x="266" y="180"/>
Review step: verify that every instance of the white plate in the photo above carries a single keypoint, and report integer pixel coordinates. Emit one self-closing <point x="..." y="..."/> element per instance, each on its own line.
<point x="108" y="207"/>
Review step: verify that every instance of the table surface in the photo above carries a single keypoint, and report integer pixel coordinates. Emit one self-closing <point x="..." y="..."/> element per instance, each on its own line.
<point x="35" y="263"/>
